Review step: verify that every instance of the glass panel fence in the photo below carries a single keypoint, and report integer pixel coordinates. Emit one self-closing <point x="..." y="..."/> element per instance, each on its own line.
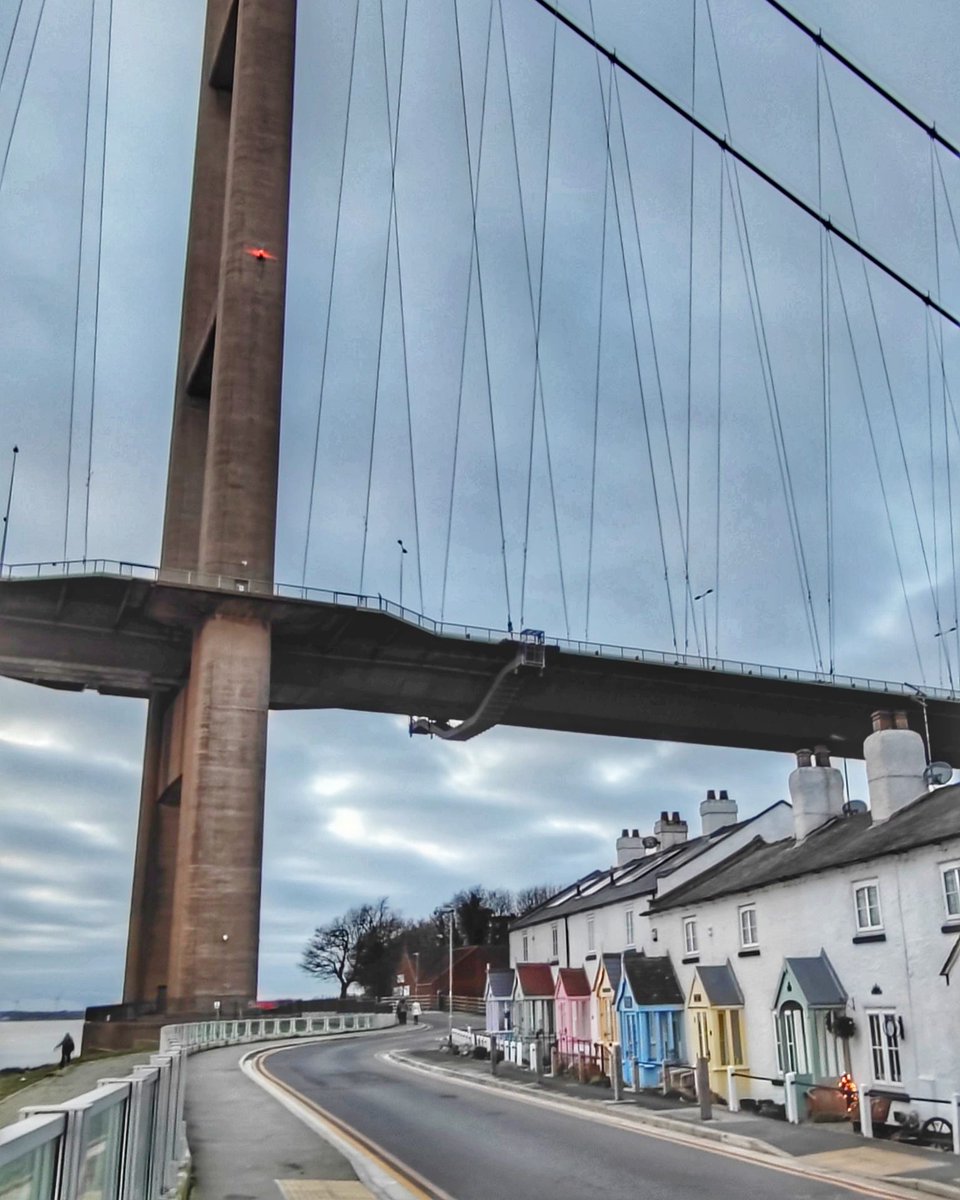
<point x="29" y="1158"/>
<point x="100" y="1152"/>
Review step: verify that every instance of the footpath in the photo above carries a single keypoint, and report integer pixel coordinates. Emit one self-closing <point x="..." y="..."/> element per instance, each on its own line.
<point x="69" y="1082"/>
<point x="813" y="1147"/>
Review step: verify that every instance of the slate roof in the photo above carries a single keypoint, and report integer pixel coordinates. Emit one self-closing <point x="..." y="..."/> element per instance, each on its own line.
<point x="841" y="842"/>
<point x="612" y="966"/>
<point x="573" y="982"/>
<point x="535" y="980"/>
<point x="818" y="981"/>
<point x="636" y="878"/>
<point x="721" y="987"/>
<point x="652" y="981"/>
<point x="500" y="984"/>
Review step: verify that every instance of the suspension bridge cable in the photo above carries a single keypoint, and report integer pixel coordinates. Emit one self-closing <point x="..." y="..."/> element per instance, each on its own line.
<point x="466" y="315"/>
<point x="391" y="206"/>
<point x="333" y="272"/>
<point x="23" y="88"/>
<point x="474" y="198"/>
<point x="13" y="36"/>
<point x="539" y="309"/>
<point x="535" y="319"/>
<point x="596" y="389"/>
<point x="876" y="455"/>
<point x="716" y="565"/>
<point x="817" y="37"/>
<point x="938" y="342"/>
<point x="403" y="325"/>
<point x="885" y="366"/>
<point x="643" y="407"/>
<point x="688" y="605"/>
<point x="825" y="392"/>
<point x="671" y="466"/>
<point x="771" y="180"/>
<point x="941" y="648"/>
<point x="80" y="258"/>
<point x="96" y="310"/>
<point x="766" y="370"/>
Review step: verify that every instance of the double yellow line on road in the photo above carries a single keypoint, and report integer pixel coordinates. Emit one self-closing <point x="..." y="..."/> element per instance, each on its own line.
<point x="416" y="1185"/>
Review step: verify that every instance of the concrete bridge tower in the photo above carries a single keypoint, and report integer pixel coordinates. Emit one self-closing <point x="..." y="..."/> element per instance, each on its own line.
<point x="195" y="912"/>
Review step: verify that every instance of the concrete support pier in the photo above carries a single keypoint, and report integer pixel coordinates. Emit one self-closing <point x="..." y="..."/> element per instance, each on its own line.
<point x="195" y="911"/>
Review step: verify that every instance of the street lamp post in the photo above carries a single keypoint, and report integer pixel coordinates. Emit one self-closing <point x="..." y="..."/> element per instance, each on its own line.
<point x="403" y="551"/>
<point x="416" y="975"/>
<point x="6" y="515"/>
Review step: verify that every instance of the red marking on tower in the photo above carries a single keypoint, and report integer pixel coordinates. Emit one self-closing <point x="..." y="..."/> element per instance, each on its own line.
<point x="261" y="253"/>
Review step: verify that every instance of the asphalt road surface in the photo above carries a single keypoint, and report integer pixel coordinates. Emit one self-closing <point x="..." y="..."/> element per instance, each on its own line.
<point x="483" y="1145"/>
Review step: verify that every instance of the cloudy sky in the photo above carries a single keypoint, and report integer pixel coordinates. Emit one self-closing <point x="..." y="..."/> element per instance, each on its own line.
<point x="355" y="809"/>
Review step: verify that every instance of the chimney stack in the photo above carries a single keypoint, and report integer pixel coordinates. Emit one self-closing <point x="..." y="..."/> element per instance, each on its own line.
<point x="670" y="830"/>
<point x="717" y="812"/>
<point x="816" y="791"/>
<point x="629" y="847"/>
<point x="895" y="759"/>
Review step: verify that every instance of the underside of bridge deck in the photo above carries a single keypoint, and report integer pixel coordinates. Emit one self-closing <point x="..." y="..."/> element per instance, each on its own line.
<point x="133" y="637"/>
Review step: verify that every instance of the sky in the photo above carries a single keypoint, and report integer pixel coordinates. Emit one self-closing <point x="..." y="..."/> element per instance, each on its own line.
<point x="355" y="809"/>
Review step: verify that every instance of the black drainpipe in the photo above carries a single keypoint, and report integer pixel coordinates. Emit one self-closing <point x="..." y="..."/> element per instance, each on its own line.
<point x="566" y="936"/>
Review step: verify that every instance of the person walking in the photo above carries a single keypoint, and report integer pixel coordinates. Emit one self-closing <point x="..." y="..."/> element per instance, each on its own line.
<point x="66" y="1046"/>
<point x="415" y="1012"/>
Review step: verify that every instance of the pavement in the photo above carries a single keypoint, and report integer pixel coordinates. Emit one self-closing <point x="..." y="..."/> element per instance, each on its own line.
<point x="69" y="1082"/>
<point x="828" y="1147"/>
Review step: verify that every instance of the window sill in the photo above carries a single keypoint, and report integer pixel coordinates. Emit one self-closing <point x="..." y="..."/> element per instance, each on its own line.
<point x="690" y="958"/>
<point x="591" y="957"/>
<point x="749" y="952"/>
<point x="951" y="926"/>
<point x="860" y="938"/>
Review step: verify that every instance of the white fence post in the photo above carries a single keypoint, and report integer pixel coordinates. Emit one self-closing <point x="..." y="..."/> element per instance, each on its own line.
<point x="790" y="1097"/>
<point x="866" y="1116"/>
<point x="955" y="1112"/>
<point x="733" y="1099"/>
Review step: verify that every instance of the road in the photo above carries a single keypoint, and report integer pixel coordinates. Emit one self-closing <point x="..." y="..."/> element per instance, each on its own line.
<point x="483" y="1145"/>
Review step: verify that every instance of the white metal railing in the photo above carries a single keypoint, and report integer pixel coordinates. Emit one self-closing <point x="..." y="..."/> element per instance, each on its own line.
<point x="125" y="1140"/>
<point x="204" y="1035"/>
<point x="521" y="1051"/>
<point x="232" y="583"/>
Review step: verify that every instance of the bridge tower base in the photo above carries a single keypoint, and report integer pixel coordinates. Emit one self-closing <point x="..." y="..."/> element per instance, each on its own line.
<point x="195" y="911"/>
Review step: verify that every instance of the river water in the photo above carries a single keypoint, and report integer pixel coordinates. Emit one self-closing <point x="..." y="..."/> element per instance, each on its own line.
<point x="31" y="1043"/>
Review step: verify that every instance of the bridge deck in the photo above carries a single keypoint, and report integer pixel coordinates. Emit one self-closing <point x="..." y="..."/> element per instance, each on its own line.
<point x="116" y="631"/>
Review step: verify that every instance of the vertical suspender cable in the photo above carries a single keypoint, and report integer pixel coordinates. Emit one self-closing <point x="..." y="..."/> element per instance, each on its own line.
<point x="766" y="370"/>
<point x="403" y="324"/>
<point x="535" y="318"/>
<point x="941" y="648"/>
<point x="825" y="391"/>
<point x="596" y="388"/>
<point x="716" y="566"/>
<point x="640" y="388"/>
<point x="80" y="257"/>
<point x="656" y="356"/>
<point x="96" y="311"/>
<point x="391" y="208"/>
<point x="13" y="35"/>
<point x="474" y="185"/>
<point x="333" y="272"/>
<point x="883" y="362"/>
<point x="474" y="199"/>
<point x="876" y="456"/>
<point x="23" y="85"/>
<point x="685" y="535"/>
<point x="536" y="326"/>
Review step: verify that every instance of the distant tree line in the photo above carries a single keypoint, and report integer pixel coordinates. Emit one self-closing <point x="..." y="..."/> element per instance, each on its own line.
<point x="362" y="947"/>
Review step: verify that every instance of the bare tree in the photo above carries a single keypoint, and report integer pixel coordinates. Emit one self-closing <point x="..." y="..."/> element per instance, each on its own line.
<point x="529" y="898"/>
<point x="354" y="948"/>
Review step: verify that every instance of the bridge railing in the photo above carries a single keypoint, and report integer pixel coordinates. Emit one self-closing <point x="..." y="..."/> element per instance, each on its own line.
<point x="125" y="1139"/>
<point x="479" y="633"/>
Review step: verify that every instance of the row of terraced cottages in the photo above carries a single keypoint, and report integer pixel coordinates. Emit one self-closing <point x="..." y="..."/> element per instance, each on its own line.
<point x="817" y="938"/>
